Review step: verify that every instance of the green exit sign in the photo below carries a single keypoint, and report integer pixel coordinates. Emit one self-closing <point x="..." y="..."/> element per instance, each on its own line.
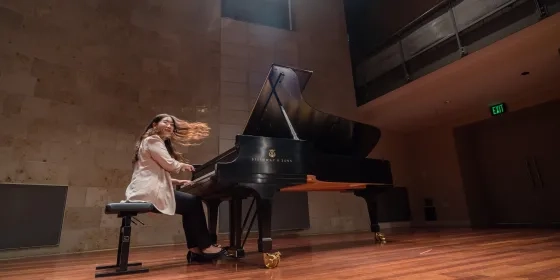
<point x="498" y="109"/>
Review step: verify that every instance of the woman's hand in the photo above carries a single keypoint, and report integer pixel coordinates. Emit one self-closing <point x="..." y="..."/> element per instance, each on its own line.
<point x="186" y="167"/>
<point x="183" y="182"/>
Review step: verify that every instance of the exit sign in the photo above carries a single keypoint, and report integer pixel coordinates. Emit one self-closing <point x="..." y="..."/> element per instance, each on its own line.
<point x="498" y="109"/>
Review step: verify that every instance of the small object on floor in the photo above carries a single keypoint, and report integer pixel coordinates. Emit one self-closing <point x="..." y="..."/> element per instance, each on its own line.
<point x="271" y="260"/>
<point x="380" y="237"/>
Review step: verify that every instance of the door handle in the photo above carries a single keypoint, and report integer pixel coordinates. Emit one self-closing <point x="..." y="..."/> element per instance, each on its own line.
<point x="530" y="170"/>
<point x="538" y="172"/>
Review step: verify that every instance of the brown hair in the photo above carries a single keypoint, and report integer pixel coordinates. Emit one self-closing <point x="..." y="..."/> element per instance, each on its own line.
<point x="184" y="134"/>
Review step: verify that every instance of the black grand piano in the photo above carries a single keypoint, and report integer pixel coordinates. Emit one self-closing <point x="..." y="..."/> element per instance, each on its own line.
<point x="287" y="145"/>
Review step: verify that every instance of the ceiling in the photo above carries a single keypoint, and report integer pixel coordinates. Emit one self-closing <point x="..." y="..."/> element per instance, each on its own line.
<point x="461" y="92"/>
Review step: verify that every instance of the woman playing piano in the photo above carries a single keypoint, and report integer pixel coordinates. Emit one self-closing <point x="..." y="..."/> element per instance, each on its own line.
<point x="154" y="160"/>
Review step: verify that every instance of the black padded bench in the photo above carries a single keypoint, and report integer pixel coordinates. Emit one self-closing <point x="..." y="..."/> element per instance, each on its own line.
<point x="126" y="211"/>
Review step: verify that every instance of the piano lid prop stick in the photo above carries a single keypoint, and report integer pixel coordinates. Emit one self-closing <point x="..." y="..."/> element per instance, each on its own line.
<point x="261" y="113"/>
<point x="292" y="130"/>
<point x="273" y="92"/>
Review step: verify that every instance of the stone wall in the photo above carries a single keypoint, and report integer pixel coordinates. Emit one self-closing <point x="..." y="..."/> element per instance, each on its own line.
<point x="79" y="80"/>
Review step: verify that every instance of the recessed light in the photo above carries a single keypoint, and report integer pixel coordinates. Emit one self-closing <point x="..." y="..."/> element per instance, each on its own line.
<point x="525" y="73"/>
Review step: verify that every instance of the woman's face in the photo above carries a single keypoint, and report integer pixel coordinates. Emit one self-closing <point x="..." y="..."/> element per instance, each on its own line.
<point x="165" y="127"/>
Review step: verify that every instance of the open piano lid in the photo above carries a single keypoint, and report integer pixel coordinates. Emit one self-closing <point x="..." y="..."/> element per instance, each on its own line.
<point x="329" y="134"/>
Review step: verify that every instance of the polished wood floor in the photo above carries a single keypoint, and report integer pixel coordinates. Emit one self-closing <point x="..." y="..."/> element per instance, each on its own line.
<point x="421" y="254"/>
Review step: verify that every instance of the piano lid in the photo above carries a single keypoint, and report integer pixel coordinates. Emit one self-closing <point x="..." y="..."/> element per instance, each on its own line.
<point x="330" y="134"/>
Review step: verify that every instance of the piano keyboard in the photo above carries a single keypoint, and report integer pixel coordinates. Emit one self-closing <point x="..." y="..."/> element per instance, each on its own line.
<point x="205" y="176"/>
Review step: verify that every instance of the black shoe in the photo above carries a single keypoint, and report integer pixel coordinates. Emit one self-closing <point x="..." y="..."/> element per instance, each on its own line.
<point x="203" y="257"/>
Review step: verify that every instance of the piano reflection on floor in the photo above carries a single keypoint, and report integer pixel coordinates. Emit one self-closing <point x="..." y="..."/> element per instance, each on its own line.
<point x="288" y="146"/>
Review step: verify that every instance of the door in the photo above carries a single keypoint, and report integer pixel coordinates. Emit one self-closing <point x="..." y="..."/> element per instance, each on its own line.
<point x="501" y="148"/>
<point x="518" y="160"/>
<point x="545" y="162"/>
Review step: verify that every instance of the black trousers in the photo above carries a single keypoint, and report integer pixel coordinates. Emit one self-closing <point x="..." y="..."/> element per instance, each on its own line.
<point x="194" y="220"/>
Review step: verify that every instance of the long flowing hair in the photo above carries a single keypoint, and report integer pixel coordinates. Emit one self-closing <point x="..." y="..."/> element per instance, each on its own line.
<point x="184" y="134"/>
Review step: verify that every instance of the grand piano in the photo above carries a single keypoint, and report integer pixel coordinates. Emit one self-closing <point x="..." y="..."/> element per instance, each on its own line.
<point x="289" y="146"/>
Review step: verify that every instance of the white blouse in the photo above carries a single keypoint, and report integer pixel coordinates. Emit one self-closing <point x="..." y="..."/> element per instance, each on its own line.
<point x="151" y="179"/>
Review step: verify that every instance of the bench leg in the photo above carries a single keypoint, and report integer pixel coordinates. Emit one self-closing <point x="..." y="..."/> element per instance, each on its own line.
<point x="122" y="265"/>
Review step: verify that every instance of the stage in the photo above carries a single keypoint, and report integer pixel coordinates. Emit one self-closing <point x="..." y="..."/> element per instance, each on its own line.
<point x="420" y="254"/>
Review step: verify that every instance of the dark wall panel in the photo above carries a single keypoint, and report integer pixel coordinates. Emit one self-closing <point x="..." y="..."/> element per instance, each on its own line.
<point x="31" y="215"/>
<point x="393" y="206"/>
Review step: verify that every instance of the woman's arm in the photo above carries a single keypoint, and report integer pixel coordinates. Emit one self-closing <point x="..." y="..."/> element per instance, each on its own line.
<point x="159" y="153"/>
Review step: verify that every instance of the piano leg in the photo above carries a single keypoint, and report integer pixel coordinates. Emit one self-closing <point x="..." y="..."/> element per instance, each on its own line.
<point x="213" y="206"/>
<point x="235" y="213"/>
<point x="264" y="210"/>
<point x="370" y="196"/>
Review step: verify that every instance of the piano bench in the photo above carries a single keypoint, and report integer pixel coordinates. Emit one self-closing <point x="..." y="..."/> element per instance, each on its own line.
<point x="126" y="211"/>
<point x="129" y="208"/>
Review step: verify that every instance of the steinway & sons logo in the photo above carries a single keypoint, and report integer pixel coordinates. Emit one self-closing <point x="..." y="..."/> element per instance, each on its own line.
<point x="272" y="158"/>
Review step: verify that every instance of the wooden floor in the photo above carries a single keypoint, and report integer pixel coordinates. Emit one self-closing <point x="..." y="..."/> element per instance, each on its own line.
<point x="422" y="254"/>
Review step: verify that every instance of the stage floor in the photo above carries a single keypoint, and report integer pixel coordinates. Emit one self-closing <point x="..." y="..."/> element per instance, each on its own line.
<point x="420" y="254"/>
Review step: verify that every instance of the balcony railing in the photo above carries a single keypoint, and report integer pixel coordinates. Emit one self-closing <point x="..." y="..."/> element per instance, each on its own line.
<point x="440" y="36"/>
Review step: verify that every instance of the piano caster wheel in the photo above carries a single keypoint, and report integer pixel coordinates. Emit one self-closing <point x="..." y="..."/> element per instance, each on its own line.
<point x="271" y="260"/>
<point x="380" y="237"/>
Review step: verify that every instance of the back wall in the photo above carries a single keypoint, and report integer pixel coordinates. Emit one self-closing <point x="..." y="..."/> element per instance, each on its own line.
<point x="79" y="80"/>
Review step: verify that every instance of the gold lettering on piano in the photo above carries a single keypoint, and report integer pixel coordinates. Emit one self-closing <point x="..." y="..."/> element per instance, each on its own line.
<point x="272" y="158"/>
<point x="282" y="160"/>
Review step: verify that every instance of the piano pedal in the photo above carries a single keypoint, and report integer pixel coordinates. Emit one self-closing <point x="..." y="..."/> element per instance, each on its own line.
<point x="271" y="260"/>
<point x="235" y="252"/>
